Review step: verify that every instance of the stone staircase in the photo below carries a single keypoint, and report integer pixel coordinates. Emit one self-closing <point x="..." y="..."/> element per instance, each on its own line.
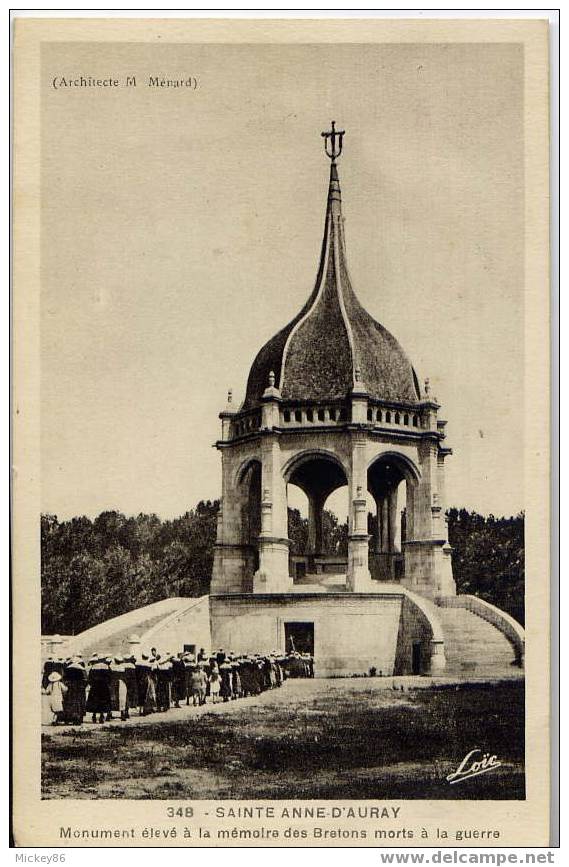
<point x="474" y="646"/>
<point x="314" y="582"/>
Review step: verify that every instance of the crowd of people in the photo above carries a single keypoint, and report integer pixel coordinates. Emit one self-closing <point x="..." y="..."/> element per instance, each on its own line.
<point x="154" y="682"/>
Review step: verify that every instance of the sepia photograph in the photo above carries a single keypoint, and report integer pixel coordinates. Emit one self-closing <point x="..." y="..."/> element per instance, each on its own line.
<point x="282" y="399"/>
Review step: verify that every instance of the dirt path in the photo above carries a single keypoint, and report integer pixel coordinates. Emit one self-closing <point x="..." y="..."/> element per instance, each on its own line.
<point x="291" y="691"/>
<point x="314" y="739"/>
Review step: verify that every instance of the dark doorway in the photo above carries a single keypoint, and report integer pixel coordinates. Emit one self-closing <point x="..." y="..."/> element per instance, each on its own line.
<point x="301" y="569"/>
<point x="299" y="637"/>
<point x="416" y="661"/>
<point x="190" y="648"/>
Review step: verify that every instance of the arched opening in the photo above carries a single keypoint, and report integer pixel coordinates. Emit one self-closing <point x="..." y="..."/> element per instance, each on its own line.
<point x="335" y="519"/>
<point x="250" y="490"/>
<point x="297" y="503"/>
<point x="317" y="495"/>
<point x="391" y="480"/>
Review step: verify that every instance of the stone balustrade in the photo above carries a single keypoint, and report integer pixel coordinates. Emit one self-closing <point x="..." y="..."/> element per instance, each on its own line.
<point x="383" y="416"/>
<point x="246" y="424"/>
<point x="307" y="416"/>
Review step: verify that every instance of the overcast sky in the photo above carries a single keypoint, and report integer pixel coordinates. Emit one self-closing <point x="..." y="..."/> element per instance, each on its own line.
<point x="181" y="229"/>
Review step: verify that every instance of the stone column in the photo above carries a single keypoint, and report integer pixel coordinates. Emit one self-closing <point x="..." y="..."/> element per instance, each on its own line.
<point x="403" y="525"/>
<point x="419" y="549"/>
<point x="358" y="578"/>
<point x="384" y="503"/>
<point x="229" y="556"/>
<point x="378" y="525"/>
<point x="446" y="585"/>
<point x="315" y="510"/>
<point x="428" y="568"/>
<point x="392" y="518"/>
<point x="272" y="575"/>
<point x="425" y="489"/>
<point x="410" y="511"/>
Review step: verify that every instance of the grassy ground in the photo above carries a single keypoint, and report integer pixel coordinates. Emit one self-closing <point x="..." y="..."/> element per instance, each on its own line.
<point x="310" y="739"/>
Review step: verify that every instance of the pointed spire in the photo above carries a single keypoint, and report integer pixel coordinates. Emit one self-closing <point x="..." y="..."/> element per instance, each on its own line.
<point x="333" y="346"/>
<point x="334" y="192"/>
<point x="327" y="305"/>
<point x="333" y="142"/>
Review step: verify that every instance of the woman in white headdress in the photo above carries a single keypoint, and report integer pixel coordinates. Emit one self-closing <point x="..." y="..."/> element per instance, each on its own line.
<point x="56" y="691"/>
<point x="214" y="681"/>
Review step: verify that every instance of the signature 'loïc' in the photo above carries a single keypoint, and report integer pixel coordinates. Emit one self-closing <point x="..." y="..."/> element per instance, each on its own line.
<point x="472" y="767"/>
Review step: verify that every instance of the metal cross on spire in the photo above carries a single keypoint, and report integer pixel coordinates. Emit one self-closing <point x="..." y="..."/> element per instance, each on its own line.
<point x="333" y="142"/>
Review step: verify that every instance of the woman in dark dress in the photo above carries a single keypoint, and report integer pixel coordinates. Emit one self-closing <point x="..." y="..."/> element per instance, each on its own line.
<point x="149" y="699"/>
<point x="236" y="685"/>
<point x="119" y="690"/>
<point x="178" y="679"/>
<point x="99" y="700"/>
<point x="164" y="683"/>
<point x="75" y="679"/>
<point x="142" y="670"/>
<point x="131" y="683"/>
<point x="226" y="674"/>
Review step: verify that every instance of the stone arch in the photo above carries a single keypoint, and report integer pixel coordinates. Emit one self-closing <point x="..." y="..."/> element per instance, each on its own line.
<point x="244" y="468"/>
<point x="307" y="455"/>
<point x="247" y="493"/>
<point x="318" y="473"/>
<point x="408" y="467"/>
<point x="392" y="478"/>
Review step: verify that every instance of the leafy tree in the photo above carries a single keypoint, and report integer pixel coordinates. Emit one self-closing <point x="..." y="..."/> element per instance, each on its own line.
<point x="297" y="532"/>
<point x="93" y="570"/>
<point x="334" y="534"/>
<point x="488" y="558"/>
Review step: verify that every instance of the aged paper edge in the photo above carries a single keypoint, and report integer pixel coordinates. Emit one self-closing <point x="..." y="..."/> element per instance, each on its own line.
<point x="35" y="821"/>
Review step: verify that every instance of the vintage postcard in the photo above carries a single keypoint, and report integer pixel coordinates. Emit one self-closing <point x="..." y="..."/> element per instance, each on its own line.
<point x="281" y="433"/>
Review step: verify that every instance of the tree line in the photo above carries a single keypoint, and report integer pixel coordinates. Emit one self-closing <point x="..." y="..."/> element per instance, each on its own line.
<point x="92" y="570"/>
<point x="488" y="558"/>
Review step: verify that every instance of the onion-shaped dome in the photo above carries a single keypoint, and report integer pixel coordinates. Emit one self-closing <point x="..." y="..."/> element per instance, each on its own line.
<point x="333" y="343"/>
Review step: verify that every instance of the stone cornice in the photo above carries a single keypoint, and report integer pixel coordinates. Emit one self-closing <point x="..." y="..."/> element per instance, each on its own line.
<point x="414" y="434"/>
<point x="294" y="595"/>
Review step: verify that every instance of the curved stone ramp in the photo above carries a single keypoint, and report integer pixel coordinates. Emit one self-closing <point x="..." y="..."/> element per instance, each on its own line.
<point x="112" y="635"/>
<point x="479" y="638"/>
<point x="419" y="619"/>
